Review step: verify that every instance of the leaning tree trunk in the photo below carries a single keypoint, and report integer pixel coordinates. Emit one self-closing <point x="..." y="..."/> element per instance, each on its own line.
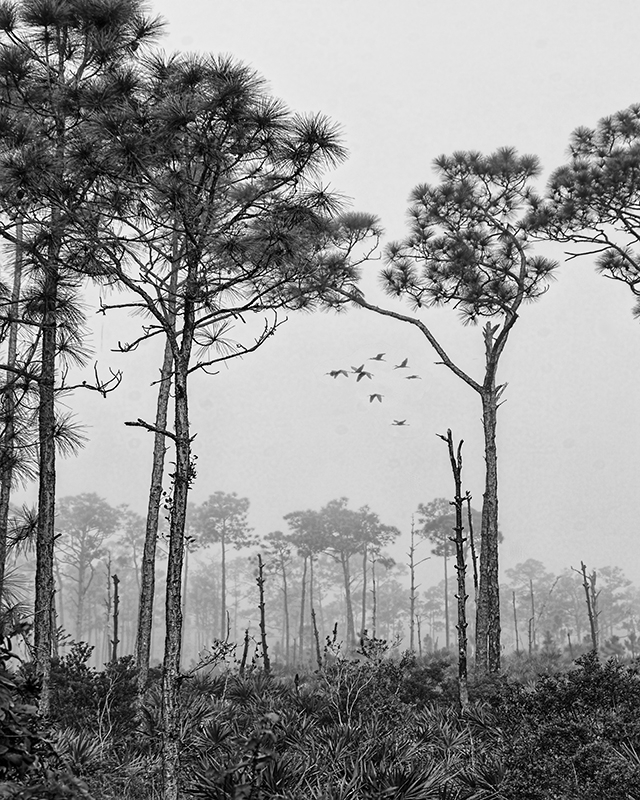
<point x="488" y="611"/>
<point x="148" y="577"/>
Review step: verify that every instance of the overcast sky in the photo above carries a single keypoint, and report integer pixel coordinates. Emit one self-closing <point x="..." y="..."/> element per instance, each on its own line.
<point x="409" y="81"/>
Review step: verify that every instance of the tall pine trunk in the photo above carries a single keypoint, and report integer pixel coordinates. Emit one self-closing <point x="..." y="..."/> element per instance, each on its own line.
<point x="47" y="483"/>
<point x="182" y="478"/>
<point x="148" y="568"/>
<point x="488" y="611"/>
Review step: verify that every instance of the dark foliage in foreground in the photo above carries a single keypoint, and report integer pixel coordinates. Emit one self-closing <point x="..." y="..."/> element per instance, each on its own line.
<point x="366" y="729"/>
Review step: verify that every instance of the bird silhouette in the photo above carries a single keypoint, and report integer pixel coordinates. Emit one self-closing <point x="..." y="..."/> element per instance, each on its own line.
<point x="379" y="357"/>
<point x="377" y="397"/>
<point x="399" y="422"/>
<point x="357" y="369"/>
<point x="402" y="364"/>
<point x="363" y="374"/>
<point x="412" y="377"/>
<point x="335" y="372"/>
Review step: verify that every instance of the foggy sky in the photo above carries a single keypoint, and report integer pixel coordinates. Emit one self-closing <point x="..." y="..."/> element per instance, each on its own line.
<point x="409" y="81"/>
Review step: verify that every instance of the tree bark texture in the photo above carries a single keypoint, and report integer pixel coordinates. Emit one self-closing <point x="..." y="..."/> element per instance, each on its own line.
<point x="263" y="621"/>
<point x="147" y="579"/>
<point x="488" y="611"/>
<point x="45" y="586"/>
<point x="461" y="568"/>
<point x="183" y="476"/>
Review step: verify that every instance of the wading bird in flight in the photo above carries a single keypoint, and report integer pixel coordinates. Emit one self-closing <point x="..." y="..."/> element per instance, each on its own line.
<point x="412" y="378"/>
<point x="335" y="372"/>
<point x="379" y="357"/>
<point x="377" y="397"/>
<point x="403" y="364"/>
<point x="399" y="422"/>
<point x="363" y="374"/>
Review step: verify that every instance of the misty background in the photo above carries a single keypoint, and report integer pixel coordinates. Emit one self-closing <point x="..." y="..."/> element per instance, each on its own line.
<point x="408" y="82"/>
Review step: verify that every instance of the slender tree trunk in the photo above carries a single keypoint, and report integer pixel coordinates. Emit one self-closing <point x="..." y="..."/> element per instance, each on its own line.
<point x="374" y="600"/>
<point x="316" y="638"/>
<point x="182" y="479"/>
<point x="9" y="410"/>
<point x="472" y="546"/>
<point x="533" y="613"/>
<point x="488" y="611"/>
<point x="589" y="585"/>
<point x="45" y="586"/>
<point x="302" y="601"/>
<point x="286" y="613"/>
<point x="412" y="590"/>
<point x="363" y="615"/>
<point x="311" y="585"/>
<point x="461" y="568"/>
<point x="60" y="605"/>
<point x="148" y="576"/>
<point x="223" y="586"/>
<point x="116" y="608"/>
<point x="106" y="642"/>
<point x="185" y="578"/>
<point x="447" y="631"/>
<point x="515" y="622"/>
<point x="263" y="622"/>
<point x="80" y="600"/>
<point x="351" y="628"/>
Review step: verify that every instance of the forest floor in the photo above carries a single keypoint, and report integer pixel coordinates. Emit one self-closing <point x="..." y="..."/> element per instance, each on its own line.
<point x="387" y="727"/>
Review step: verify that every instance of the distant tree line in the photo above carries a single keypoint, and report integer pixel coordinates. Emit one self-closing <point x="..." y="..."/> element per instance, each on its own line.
<point x="328" y="572"/>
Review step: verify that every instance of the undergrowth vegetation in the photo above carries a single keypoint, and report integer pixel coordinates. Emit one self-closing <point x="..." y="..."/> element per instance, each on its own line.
<point x="359" y="729"/>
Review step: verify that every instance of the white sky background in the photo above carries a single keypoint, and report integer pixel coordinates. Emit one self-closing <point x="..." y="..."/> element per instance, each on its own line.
<point x="409" y="81"/>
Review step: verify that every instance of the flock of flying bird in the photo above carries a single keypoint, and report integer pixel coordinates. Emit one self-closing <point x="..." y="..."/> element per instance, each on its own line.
<point x="360" y="373"/>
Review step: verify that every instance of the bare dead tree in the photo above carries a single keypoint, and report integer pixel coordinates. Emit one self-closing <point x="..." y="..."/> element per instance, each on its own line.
<point x="459" y="539"/>
<point x="263" y="623"/>
<point x="591" y="597"/>
<point x="116" y="608"/>
<point x="412" y="596"/>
